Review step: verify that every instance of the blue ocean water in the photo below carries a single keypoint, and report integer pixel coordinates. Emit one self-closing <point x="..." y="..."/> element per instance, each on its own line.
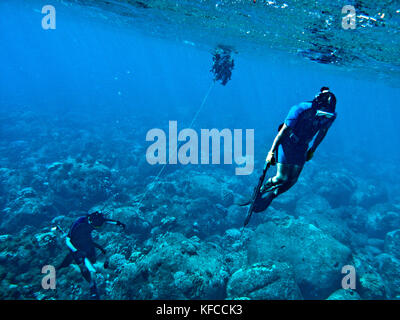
<point x="75" y="106"/>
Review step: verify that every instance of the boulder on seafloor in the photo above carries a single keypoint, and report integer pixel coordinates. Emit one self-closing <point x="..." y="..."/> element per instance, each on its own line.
<point x="175" y="268"/>
<point x="336" y="187"/>
<point x="236" y="215"/>
<point x="10" y="183"/>
<point x="264" y="281"/>
<point x="372" y="286"/>
<point x="317" y="211"/>
<point x="392" y="243"/>
<point x="382" y="219"/>
<point x="312" y="204"/>
<point x="356" y="218"/>
<point x="389" y="269"/>
<point x="208" y="186"/>
<point x="205" y="185"/>
<point x="133" y="219"/>
<point x="344" y="294"/>
<point x="316" y="257"/>
<point x="80" y="184"/>
<point x="27" y="209"/>
<point x="368" y="195"/>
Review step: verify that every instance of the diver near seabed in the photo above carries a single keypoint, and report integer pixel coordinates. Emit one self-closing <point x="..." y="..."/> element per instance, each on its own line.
<point x="80" y="242"/>
<point x="223" y="65"/>
<point x="290" y="149"/>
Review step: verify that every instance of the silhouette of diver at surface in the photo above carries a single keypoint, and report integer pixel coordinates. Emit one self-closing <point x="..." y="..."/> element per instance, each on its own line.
<point x="80" y="242"/>
<point x="223" y="65"/>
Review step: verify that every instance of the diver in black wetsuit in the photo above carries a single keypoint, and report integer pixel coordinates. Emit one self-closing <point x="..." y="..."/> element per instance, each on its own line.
<point x="223" y="65"/>
<point x="79" y="240"/>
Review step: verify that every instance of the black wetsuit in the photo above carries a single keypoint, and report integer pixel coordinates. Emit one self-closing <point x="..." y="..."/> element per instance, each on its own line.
<point x="81" y="238"/>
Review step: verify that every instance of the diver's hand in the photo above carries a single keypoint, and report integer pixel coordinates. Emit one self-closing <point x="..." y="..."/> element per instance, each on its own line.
<point x="106" y="264"/>
<point x="270" y="158"/>
<point x="310" y="154"/>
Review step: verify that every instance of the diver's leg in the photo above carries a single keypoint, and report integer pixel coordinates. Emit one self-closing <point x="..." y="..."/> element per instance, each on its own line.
<point x="293" y="174"/>
<point x="281" y="177"/>
<point x="261" y="203"/>
<point x="93" y="287"/>
<point x="85" y="271"/>
<point x="86" y="264"/>
<point x="286" y="176"/>
<point x="89" y="263"/>
<point x="270" y="188"/>
<point x="67" y="261"/>
<point x="88" y="272"/>
<point x="284" y="179"/>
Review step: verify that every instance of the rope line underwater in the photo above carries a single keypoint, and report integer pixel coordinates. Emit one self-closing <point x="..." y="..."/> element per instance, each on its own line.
<point x="156" y="178"/>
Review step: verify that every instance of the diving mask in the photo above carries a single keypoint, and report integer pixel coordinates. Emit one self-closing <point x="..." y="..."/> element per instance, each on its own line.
<point x="325" y="114"/>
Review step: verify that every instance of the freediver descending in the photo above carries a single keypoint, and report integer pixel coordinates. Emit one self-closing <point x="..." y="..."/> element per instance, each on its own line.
<point x="290" y="149"/>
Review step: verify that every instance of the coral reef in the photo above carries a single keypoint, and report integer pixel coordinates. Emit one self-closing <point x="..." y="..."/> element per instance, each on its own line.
<point x="183" y="237"/>
<point x="182" y="269"/>
<point x="267" y="280"/>
<point x="316" y="258"/>
<point x="344" y="294"/>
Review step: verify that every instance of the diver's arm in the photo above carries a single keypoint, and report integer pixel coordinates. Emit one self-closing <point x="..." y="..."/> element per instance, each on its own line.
<point x="70" y="245"/>
<point x="99" y="247"/>
<point x="318" y="139"/>
<point x="278" y="139"/>
<point x="110" y="221"/>
<point x="115" y="222"/>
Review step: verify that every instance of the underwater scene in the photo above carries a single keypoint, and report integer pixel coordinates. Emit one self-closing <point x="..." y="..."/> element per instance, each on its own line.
<point x="199" y="150"/>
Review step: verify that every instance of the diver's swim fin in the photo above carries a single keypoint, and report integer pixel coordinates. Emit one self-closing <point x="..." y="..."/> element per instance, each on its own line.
<point x="256" y="194"/>
<point x="243" y="204"/>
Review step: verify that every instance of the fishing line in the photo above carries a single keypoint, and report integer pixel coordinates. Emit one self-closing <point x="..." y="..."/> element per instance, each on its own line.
<point x="179" y="145"/>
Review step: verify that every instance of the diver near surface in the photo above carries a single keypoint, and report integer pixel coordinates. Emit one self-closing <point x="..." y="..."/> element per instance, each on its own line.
<point x="80" y="242"/>
<point x="290" y="149"/>
<point x="223" y="65"/>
